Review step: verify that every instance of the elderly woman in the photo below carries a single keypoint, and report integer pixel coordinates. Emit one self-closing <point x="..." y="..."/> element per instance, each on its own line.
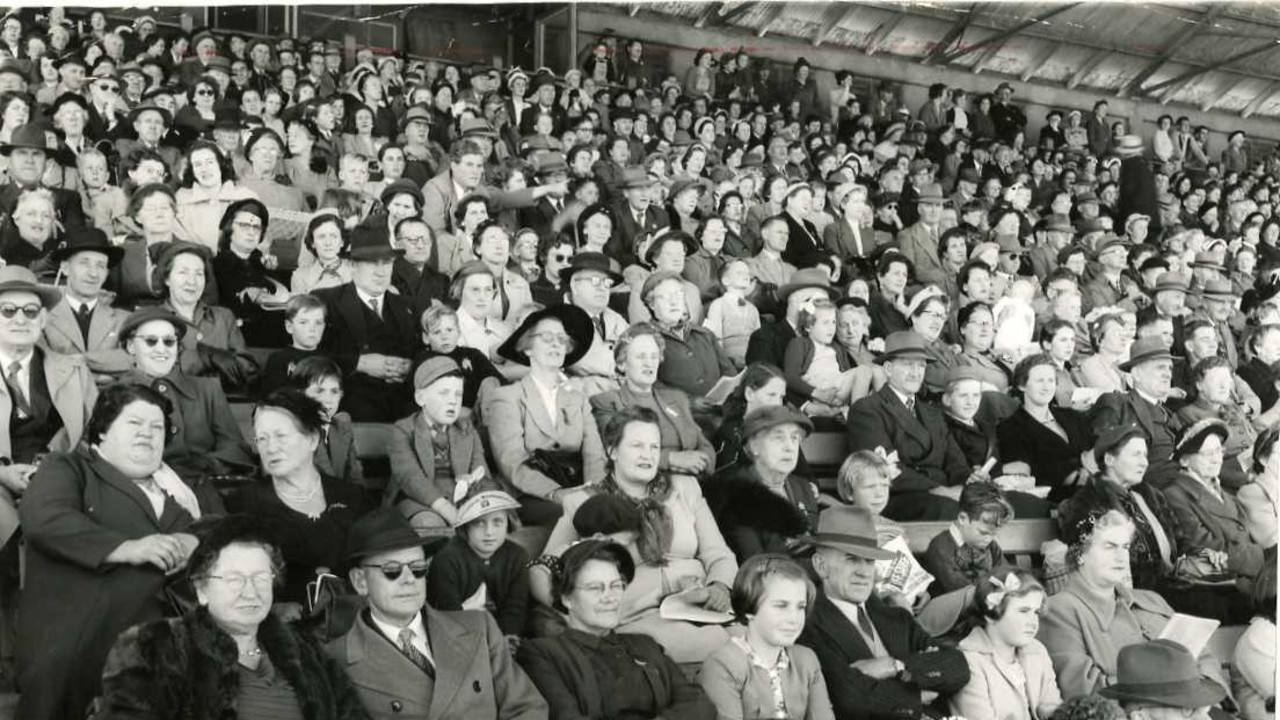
<point x="693" y="360"/>
<point x="1215" y="382"/>
<point x="679" y="544"/>
<point x="311" y="513"/>
<point x="241" y="270"/>
<point x="594" y="671"/>
<point x="326" y="240"/>
<point x="544" y="438"/>
<point x="762" y="386"/>
<point x="1085" y="625"/>
<point x="204" y="437"/>
<point x="231" y="657"/>
<point x="493" y="247"/>
<point x="1209" y="518"/>
<point x="1261" y="497"/>
<point x="264" y="150"/>
<point x="29" y="238"/>
<point x="927" y="312"/>
<point x="1112" y="337"/>
<point x="1046" y="437"/>
<point x="105" y="524"/>
<point x="638" y="355"/>
<point x="216" y="348"/>
<point x="765" y="673"/>
<point x="208" y="188"/>
<point x="763" y="507"/>
<point x="1010" y="674"/>
<point x="977" y="324"/>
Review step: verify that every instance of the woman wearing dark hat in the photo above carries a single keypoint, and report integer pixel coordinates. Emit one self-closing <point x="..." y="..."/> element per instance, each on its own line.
<point x="205" y="438"/>
<point x="232" y="656"/>
<point x="762" y="506"/>
<point x="544" y="437"/>
<point x="693" y="360"/>
<point x="666" y="254"/>
<point x="242" y="276"/>
<point x="208" y="188"/>
<point x="326" y="240"/>
<point x="108" y="523"/>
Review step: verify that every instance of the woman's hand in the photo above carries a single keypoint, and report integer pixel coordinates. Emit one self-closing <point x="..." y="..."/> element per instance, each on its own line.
<point x="718" y="598"/>
<point x="17" y="477"/>
<point x="270" y="262"/>
<point x="166" y="552"/>
<point x="446" y="510"/>
<point x="691" y="462"/>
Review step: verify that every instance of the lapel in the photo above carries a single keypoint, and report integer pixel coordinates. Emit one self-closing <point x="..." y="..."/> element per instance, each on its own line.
<point x="539" y="412"/>
<point x="453" y="648"/>
<point x="58" y="374"/>
<point x="829" y="621"/>
<point x="460" y="449"/>
<point x="102" y="327"/>
<point x="108" y="475"/>
<point x="62" y="321"/>
<point x="373" y="662"/>
<point x="1202" y="498"/>
<point x="422" y="447"/>
<point x="351" y="309"/>
<point x="907" y="422"/>
<point x="1145" y="413"/>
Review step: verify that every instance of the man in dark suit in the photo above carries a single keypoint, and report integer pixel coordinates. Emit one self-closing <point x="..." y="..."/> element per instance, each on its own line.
<point x="877" y="662"/>
<point x="634" y="216"/>
<point x="769" y="343"/>
<point x="933" y="466"/>
<point x="371" y="333"/>
<point x="413" y="276"/>
<point x="409" y="661"/>
<point x="552" y="172"/>
<point x="1150" y="366"/>
<point x="544" y="101"/>
<point x="27" y="150"/>
<point x="150" y="125"/>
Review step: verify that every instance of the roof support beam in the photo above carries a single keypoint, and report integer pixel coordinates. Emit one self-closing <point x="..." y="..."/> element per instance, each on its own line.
<point x="1256" y="104"/>
<point x="770" y="15"/>
<point x="1171" y="46"/>
<point x="985" y="57"/>
<point x="1043" y="57"/>
<point x="1217" y="97"/>
<point x="1089" y="66"/>
<point x="875" y="41"/>
<point x="1173" y="85"/>
<point x="1000" y="37"/>
<point x="634" y="9"/>
<point x="836" y="14"/>
<point x="706" y="15"/>
<point x="954" y="34"/>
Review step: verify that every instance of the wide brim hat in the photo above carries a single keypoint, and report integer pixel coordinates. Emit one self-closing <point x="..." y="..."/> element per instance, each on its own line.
<point x="766" y="418"/>
<point x="219" y="63"/>
<point x="683" y="184"/>
<point x="595" y="261"/>
<point x="30" y="136"/>
<point x="1193" y="436"/>
<point x="1209" y="261"/>
<point x="576" y="322"/>
<point x="142" y="316"/>
<point x="383" y="530"/>
<point x="551" y="162"/>
<point x="903" y="345"/>
<point x="1162" y="672"/>
<point x="477" y="127"/>
<point x="931" y="194"/>
<point x="85" y="240"/>
<point x="484" y="503"/>
<point x="636" y="177"/>
<point x="403" y="186"/>
<point x="1129" y="145"/>
<point x="687" y="240"/>
<point x="1145" y="350"/>
<point x="16" y="278"/>
<point x="807" y="278"/>
<point x="165" y="115"/>
<point x="74" y="98"/>
<point x="1221" y="289"/>
<point x="1170" y="282"/>
<point x="370" y="244"/>
<point x="850" y="530"/>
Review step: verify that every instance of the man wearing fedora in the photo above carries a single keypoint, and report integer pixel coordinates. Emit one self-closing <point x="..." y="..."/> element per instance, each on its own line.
<point x="27" y="151"/>
<point x="150" y="123"/>
<point x="1218" y="303"/>
<point x="1150" y="368"/>
<point x="877" y="661"/>
<point x="933" y="466"/>
<point x="634" y="216"/>
<point x="372" y="333"/>
<point x="408" y="661"/>
<point x="552" y="172"/>
<point x="919" y="241"/>
<point x="1009" y="120"/>
<point x="464" y="176"/>
<point x="1161" y="680"/>
<point x="769" y="343"/>
<point x="85" y="325"/>
<point x="1111" y="286"/>
<point x="1169" y="302"/>
<point x="589" y="280"/>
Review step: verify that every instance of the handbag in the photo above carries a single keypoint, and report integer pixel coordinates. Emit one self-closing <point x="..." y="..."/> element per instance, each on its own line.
<point x="562" y="466"/>
<point x="1197" y="571"/>
<point x="332" y="605"/>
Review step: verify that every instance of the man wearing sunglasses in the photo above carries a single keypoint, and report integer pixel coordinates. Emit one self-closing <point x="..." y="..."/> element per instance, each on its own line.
<point x="409" y="661"/>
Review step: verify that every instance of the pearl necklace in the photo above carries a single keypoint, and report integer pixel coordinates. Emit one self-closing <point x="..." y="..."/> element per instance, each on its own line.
<point x="297" y="498"/>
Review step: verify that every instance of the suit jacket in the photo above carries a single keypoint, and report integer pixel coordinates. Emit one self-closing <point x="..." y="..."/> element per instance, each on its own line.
<point x="413" y="485"/>
<point x="627" y="232"/>
<point x="345" y="335"/>
<point x="475" y="674"/>
<point x="769" y="344"/>
<point x="519" y="423"/>
<point x="1160" y="425"/>
<point x="928" y="454"/>
<point x="438" y="200"/>
<point x="1217" y="523"/>
<point x="921" y="249"/>
<point x="839" y="240"/>
<point x="804" y="243"/>
<point x="337" y="456"/>
<point x="102" y="354"/>
<point x="856" y="696"/>
<point x="598" y="364"/>
<point x="1023" y="438"/>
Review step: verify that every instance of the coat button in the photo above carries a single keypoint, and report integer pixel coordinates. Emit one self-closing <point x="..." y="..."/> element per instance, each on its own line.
<point x="162" y="387"/>
<point x="199" y="336"/>
<point x="396" y="706"/>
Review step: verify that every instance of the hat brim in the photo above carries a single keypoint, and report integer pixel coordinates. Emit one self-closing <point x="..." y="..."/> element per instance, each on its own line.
<point x="1202" y="693"/>
<point x="1131" y="363"/>
<point x="577" y="324"/>
<point x="848" y="544"/>
<point x="164" y="114"/>
<point x="430" y="543"/>
<point x="114" y="253"/>
<point x="906" y="354"/>
<point x="374" y="254"/>
<point x="566" y="275"/>
<point x="49" y="295"/>
<point x="787" y="291"/>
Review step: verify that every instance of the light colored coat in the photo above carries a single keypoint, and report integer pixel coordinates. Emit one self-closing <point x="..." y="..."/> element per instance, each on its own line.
<point x="741" y="690"/>
<point x="475" y="674"/>
<point x="921" y="248"/>
<point x="519" y="423"/>
<point x="73" y="393"/>
<point x="992" y="694"/>
<point x="102" y="353"/>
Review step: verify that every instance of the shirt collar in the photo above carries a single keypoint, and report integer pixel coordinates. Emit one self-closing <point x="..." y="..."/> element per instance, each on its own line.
<point x="6" y="360"/>
<point x="1101" y="603"/>
<point x="849" y="609"/>
<point x="955" y="535"/>
<point x="366" y="298"/>
<point x="784" y="660"/>
<point x="75" y="304"/>
<point x="393" y="633"/>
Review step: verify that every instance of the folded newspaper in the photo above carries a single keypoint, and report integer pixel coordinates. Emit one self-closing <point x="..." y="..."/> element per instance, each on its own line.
<point x="902" y="574"/>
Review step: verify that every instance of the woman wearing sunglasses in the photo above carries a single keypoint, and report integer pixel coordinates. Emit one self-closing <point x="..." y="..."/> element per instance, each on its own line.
<point x="105" y="524"/>
<point x="196" y="118"/>
<point x="232" y="657"/>
<point x="311" y="513"/>
<point x="203" y="436"/>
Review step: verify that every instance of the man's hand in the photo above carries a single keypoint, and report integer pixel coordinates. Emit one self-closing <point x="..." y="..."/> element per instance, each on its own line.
<point x="878" y="668"/>
<point x="166" y="552"/>
<point x="947" y="492"/>
<point x="17" y="477"/>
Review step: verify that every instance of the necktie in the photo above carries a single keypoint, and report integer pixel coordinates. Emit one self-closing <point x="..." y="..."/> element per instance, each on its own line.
<point x="15" y="389"/>
<point x="375" y="306"/>
<point x="83" y="317"/>
<point x="911" y="404"/>
<point x="411" y="652"/>
<point x="598" y="321"/>
<point x="864" y="622"/>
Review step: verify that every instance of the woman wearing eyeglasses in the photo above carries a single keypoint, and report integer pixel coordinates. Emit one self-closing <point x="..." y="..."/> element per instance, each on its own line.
<point x="195" y="119"/>
<point x="204" y="438"/>
<point x="310" y="512"/>
<point x="106" y="526"/>
<point x="593" y="671"/>
<point x="231" y="657"/>
<point x="242" y="271"/>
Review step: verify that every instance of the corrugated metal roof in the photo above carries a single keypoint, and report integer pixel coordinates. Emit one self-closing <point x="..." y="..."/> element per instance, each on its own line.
<point x="1175" y="38"/>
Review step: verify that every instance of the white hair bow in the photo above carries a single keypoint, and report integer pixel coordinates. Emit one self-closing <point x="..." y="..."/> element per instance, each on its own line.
<point x="1011" y="584"/>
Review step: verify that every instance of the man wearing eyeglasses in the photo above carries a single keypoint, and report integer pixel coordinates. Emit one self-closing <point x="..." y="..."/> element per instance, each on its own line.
<point x="409" y="661"/>
<point x="105" y="106"/>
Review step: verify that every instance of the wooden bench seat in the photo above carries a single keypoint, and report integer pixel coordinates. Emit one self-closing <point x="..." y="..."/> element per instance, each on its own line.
<point x="1020" y="539"/>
